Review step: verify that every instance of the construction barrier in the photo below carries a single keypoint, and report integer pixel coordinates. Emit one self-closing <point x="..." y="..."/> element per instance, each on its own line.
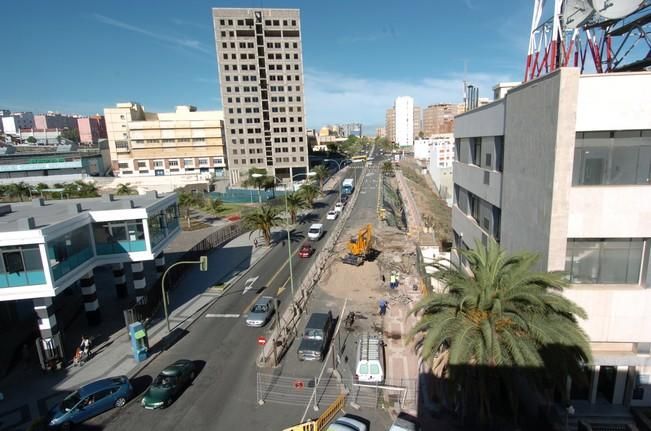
<point x="326" y="417"/>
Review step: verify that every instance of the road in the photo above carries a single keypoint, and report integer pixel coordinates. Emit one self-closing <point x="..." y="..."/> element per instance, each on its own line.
<point x="223" y="396"/>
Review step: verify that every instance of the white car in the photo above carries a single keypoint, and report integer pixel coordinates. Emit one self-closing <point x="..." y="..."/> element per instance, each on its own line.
<point x="315" y="232"/>
<point x="339" y="207"/>
<point x="332" y="215"/>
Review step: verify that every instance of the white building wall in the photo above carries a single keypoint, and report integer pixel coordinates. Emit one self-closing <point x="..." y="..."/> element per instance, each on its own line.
<point x="404" y="107"/>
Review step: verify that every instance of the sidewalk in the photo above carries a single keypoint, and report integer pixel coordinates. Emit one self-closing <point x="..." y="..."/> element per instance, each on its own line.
<point x="29" y="393"/>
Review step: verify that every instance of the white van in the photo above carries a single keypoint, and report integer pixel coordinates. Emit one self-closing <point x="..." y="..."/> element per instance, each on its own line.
<point x="370" y="359"/>
<point x="315" y="232"/>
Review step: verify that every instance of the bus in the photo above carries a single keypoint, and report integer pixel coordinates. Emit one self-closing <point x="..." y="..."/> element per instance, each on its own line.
<point x="357" y="159"/>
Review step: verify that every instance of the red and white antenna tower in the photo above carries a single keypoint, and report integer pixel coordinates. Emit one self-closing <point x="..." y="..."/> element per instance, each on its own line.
<point x="600" y="36"/>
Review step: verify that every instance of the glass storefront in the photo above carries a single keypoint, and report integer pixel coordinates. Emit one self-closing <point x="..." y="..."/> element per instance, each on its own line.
<point x="69" y="251"/>
<point x="119" y="237"/>
<point x="21" y="266"/>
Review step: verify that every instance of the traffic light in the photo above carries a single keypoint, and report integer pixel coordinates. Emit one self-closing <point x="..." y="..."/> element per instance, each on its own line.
<point x="203" y="263"/>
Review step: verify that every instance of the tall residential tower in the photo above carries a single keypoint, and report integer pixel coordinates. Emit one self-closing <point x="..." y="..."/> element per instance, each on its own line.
<point x="261" y="77"/>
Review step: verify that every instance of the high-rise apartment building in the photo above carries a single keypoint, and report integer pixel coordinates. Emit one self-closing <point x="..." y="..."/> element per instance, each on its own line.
<point x="380" y="132"/>
<point x="404" y="109"/>
<point x="12" y="123"/>
<point x="418" y="121"/>
<point x="183" y="142"/>
<point x="261" y="77"/>
<point x="561" y="166"/>
<point x="390" y="125"/>
<point x="439" y="118"/>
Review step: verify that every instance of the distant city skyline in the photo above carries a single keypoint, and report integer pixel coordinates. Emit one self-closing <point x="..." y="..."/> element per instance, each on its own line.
<point x="165" y="56"/>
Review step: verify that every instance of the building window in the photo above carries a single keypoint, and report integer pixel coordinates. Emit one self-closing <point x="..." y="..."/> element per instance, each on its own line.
<point x="123" y="165"/>
<point x="617" y="158"/>
<point x="188" y="162"/>
<point x="173" y="163"/>
<point x="119" y="237"/>
<point x="158" y="163"/>
<point x="203" y="162"/>
<point x="69" y="251"/>
<point x="142" y="164"/>
<point x="604" y="261"/>
<point x="21" y="266"/>
<point x="475" y="151"/>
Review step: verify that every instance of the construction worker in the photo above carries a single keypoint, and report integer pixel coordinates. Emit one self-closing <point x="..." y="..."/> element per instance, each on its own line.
<point x="392" y="280"/>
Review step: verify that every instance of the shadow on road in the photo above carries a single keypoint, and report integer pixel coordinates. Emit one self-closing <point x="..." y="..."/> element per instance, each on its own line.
<point x="140" y="383"/>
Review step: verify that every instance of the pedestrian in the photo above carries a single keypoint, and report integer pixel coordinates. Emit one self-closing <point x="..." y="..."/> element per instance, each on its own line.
<point x="392" y="282"/>
<point x="85" y="347"/>
<point x="255" y="243"/>
<point x="383" y="279"/>
<point x="383" y="306"/>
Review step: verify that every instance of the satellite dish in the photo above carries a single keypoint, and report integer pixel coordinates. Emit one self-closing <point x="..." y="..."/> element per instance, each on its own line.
<point x="615" y="9"/>
<point x="575" y="13"/>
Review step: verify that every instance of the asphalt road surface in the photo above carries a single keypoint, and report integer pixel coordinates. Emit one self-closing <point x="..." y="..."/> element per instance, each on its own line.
<point x="223" y="395"/>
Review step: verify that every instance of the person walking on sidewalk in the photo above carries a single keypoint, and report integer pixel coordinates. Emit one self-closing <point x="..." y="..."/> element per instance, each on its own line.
<point x="383" y="306"/>
<point x="85" y="347"/>
<point x="392" y="280"/>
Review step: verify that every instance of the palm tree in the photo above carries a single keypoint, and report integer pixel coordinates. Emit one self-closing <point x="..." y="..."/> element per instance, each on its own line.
<point x="86" y="190"/>
<point x="213" y="206"/>
<point x="320" y="174"/>
<point x="309" y="191"/>
<point x="387" y="168"/>
<point x="263" y="219"/>
<point x="125" y="189"/>
<point x="497" y="314"/>
<point x="295" y="203"/>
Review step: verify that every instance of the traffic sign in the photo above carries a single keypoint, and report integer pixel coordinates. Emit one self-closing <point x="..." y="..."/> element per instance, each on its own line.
<point x="262" y="340"/>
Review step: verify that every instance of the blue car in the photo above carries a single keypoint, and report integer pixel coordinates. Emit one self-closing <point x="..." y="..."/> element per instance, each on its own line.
<point x="89" y="401"/>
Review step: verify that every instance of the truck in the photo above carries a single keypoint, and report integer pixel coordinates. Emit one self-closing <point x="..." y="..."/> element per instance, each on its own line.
<point x="348" y="186"/>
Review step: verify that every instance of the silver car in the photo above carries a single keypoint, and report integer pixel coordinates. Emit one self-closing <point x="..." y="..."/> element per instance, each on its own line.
<point x="261" y="312"/>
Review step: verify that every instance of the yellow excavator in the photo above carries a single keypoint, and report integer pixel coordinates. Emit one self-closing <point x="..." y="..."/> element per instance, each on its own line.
<point x="359" y="246"/>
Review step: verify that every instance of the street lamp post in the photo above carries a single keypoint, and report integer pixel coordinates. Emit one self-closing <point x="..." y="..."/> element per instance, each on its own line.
<point x="289" y="241"/>
<point x="203" y="266"/>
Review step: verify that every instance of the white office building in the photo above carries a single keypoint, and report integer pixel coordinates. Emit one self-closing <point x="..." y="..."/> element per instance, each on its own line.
<point x="404" y="112"/>
<point x="561" y="166"/>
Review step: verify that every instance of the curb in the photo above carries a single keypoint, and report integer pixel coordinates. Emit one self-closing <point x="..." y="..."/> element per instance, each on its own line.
<point x="193" y="318"/>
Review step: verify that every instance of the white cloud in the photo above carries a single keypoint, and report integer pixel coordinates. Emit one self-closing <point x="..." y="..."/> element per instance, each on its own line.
<point x="179" y="42"/>
<point x="338" y="98"/>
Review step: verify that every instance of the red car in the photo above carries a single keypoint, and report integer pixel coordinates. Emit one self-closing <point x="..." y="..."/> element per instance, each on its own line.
<point x="306" y="251"/>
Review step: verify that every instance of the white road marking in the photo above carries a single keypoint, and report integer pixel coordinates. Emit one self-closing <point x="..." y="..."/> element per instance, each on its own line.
<point x="222" y="315"/>
<point x="248" y="284"/>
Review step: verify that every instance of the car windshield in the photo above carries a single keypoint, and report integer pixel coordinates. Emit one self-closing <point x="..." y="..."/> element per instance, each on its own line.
<point x="259" y="308"/>
<point x="314" y="230"/>
<point x="70" y="401"/>
<point x="164" y="381"/>
<point x="313" y="334"/>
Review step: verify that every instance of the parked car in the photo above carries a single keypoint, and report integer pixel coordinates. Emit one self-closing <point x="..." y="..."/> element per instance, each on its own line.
<point x="339" y="206"/>
<point x="332" y="215"/>
<point x="315" y="232"/>
<point x="316" y="337"/>
<point x="261" y="312"/>
<point x="306" y="250"/>
<point x="169" y="384"/>
<point x="347" y="423"/>
<point x="90" y="400"/>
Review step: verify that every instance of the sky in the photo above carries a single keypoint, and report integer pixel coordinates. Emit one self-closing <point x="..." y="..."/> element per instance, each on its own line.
<point x="80" y="56"/>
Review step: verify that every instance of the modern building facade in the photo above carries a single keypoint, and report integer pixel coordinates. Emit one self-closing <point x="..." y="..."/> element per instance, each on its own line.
<point x="442" y="146"/>
<point x="186" y="141"/>
<point x="50" y="165"/>
<point x="439" y="118"/>
<point x="404" y="111"/>
<point x="91" y="129"/>
<point x="260" y="61"/>
<point x="11" y="124"/>
<point x="380" y="132"/>
<point x="53" y="120"/>
<point x="46" y="247"/>
<point x="561" y="166"/>
<point x="390" y="125"/>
